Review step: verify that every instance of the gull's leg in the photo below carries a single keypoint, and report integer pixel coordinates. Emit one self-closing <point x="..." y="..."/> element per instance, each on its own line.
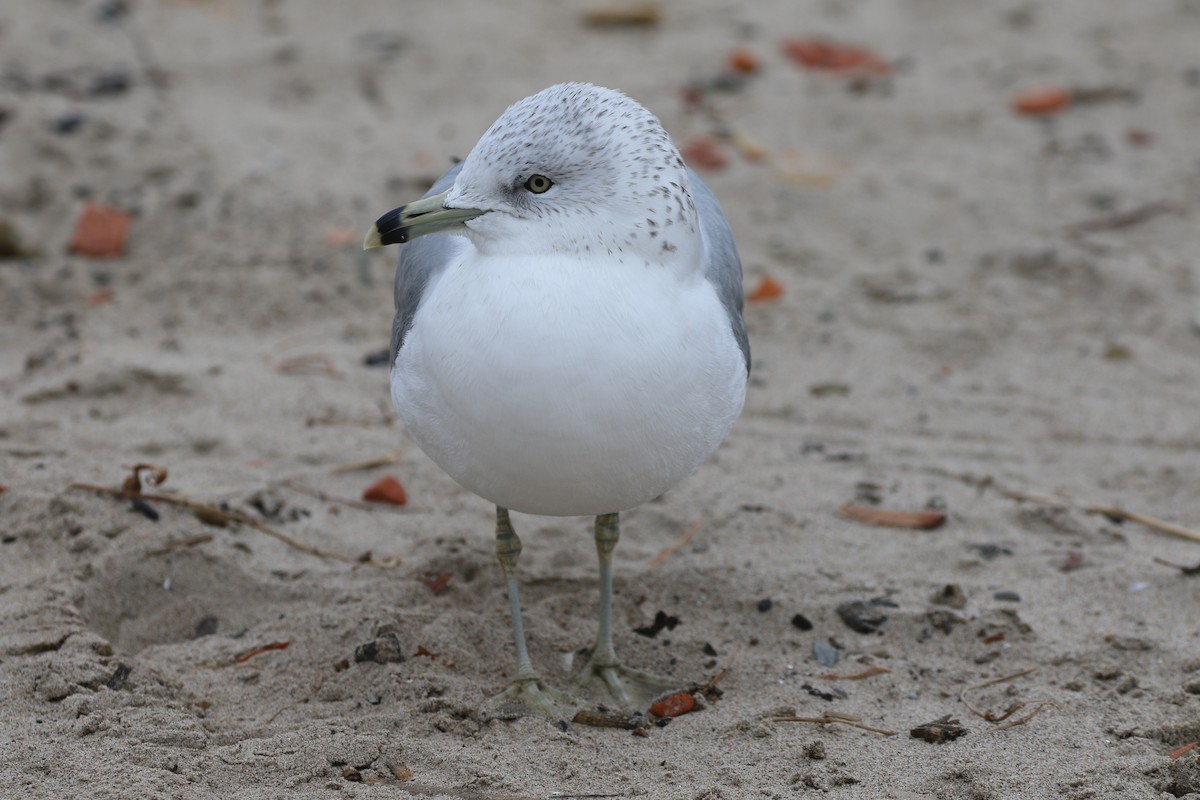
<point x="604" y="674"/>
<point x="527" y="694"/>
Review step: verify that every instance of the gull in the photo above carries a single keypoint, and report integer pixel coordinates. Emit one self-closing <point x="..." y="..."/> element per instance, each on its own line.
<point x="568" y="338"/>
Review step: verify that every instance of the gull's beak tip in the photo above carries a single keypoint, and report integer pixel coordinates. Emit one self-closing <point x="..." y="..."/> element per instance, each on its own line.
<point x="373" y="239"/>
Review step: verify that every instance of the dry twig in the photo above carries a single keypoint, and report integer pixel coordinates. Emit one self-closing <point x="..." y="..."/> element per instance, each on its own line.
<point x="884" y="518"/>
<point x="833" y="717"/>
<point x="1115" y="512"/>
<point x="1121" y="219"/>
<point x="370" y="463"/>
<point x="675" y="546"/>
<point x="1001" y="716"/>
<point x="874" y="669"/>
<point x="215" y="514"/>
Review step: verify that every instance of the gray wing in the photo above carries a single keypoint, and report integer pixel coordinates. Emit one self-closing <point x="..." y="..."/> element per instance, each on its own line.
<point x="723" y="267"/>
<point x="421" y="260"/>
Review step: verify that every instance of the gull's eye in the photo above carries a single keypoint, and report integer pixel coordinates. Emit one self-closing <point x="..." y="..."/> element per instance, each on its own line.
<point x="538" y="184"/>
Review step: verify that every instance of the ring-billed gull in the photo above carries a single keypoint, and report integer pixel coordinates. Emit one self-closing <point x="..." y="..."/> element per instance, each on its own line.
<point x="571" y="343"/>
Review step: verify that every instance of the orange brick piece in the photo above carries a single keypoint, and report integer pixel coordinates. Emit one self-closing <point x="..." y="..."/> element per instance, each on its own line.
<point x="101" y="231"/>
<point x="386" y="490"/>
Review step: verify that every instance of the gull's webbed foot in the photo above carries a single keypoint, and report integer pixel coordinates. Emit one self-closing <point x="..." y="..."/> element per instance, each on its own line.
<point x="625" y="687"/>
<point x="530" y="696"/>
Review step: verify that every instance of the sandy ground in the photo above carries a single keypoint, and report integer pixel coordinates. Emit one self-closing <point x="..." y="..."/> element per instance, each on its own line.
<point x="949" y="331"/>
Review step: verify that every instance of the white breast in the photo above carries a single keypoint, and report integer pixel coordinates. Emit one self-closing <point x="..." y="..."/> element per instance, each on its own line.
<point x="568" y="387"/>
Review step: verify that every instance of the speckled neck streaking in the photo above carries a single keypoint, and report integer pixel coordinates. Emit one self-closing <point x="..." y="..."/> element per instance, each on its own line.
<point x="620" y="186"/>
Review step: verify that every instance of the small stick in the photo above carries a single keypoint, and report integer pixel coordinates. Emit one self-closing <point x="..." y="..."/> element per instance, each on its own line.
<point x="833" y="717"/>
<point x="1012" y="709"/>
<point x="1145" y="519"/>
<point x="1111" y="511"/>
<point x="962" y="696"/>
<point x="1186" y="569"/>
<point x="874" y="669"/>
<point x="1022" y="720"/>
<point x="1121" y="219"/>
<point x="243" y="657"/>
<point x="234" y="516"/>
<point x="309" y="364"/>
<point x="189" y="541"/>
<point x="370" y="463"/>
<point x="674" y="547"/>
<point x="1179" y="751"/>
<point x="712" y="682"/>
<point x="883" y="518"/>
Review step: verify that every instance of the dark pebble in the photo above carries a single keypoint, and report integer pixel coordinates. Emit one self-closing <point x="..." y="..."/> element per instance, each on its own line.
<point x="709" y="650"/>
<point x="950" y="595"/>
<point x="379" y="358"/>
<point x="661" y="620"/>
<point x="883" y="602"/>
<point x="563" y="725"/>
<point x="989" y="551"/>
<point x="861" y="617"/>
<point x="110" y="83"/>
<point x="206" y="627"/>
<point x="821" y="693"/>
<point x="145" y="509"/>
<point x="802" y="622"/>
<point x="825" y="653"/>
<point x="374" y="699"/>
<point x="1007" y="596"/>
<point x="117" y="679"/>
<point x="68" y="123"/>
<point x="941" y="730"/>
<point x="384" y="650"/>
<point x="112" y="11"/>
<point x="765" y="604"/>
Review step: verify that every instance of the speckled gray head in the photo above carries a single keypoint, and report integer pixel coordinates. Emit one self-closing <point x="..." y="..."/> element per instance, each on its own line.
<point x="575" y="168"/>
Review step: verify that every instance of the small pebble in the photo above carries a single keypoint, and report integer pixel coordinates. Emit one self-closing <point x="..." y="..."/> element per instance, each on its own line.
<point x="825" y="653"/>
<point x="374" y="699"/>
<point x="765" y="604"/>
<point x="117" y="680"/>
<point x="68" y="123"/>
<point x="1007" y="596"/>
<point x="383" y="650"/>
<point x="860" y="616"/>
<point x="205" y="627"/>
<point x="802" y="622"/>
<point x="950" y="595"/>
<point x="709" y="650"/>
<point x="145" y="509"/>
<point x="989" y="551"/>
<point x="110" y="83"/>
<point x="379" y="358"/>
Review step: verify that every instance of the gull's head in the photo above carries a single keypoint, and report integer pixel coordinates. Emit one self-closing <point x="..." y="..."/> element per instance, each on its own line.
<point x="573" y="169"/>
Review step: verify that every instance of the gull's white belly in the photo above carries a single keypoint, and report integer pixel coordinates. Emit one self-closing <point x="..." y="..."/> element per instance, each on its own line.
<point x="568" y="388"/>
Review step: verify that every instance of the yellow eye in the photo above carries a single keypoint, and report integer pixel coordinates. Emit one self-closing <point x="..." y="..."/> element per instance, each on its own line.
<point x="538" y="184"/>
